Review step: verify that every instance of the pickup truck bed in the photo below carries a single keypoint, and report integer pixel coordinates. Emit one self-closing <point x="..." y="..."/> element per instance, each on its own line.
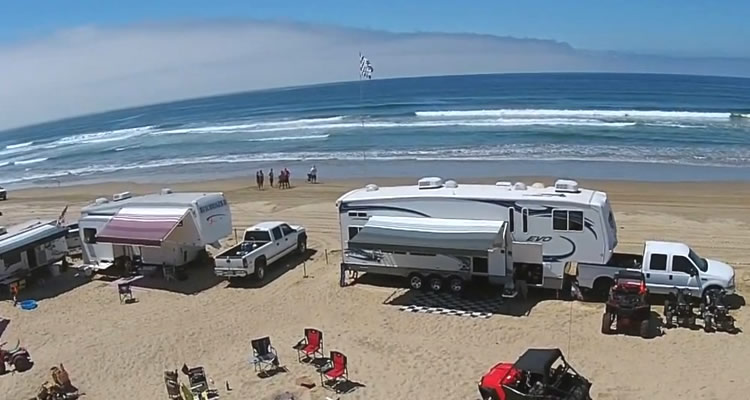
<point x="236" y="250"/>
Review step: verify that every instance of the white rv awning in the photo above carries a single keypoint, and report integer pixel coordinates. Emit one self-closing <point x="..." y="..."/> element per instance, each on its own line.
<point x="431" y="235"/>
<point x="143" y="226"/>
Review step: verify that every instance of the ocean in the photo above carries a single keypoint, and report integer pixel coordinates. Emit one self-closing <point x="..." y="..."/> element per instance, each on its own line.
<point x="609" y="126"/>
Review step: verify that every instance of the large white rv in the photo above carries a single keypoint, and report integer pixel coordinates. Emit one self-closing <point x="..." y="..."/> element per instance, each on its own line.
<point x="568" y="222"/>
<point x="160" y="229"/>
<point x="28" y="246"/>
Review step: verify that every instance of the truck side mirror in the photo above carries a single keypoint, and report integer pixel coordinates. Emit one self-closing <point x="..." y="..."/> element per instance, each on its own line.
<point x="693" y="272"/>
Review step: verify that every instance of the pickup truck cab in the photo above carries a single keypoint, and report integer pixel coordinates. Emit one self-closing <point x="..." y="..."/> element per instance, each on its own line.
<point x="262" y="245"/>
<point x="667" y="266"/>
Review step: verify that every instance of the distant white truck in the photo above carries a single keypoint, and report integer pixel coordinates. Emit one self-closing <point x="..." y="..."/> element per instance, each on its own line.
<point x="262" y="245"/>
<point x="667" y="266"/>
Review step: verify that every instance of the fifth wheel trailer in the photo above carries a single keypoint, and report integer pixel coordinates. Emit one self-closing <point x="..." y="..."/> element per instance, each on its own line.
<point x="436" y="252"/>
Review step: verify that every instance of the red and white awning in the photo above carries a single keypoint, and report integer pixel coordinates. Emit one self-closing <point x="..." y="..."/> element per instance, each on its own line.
<point x="142" y="226"/>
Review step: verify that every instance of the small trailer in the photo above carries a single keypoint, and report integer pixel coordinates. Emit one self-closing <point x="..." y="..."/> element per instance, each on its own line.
<point x="262" y="245"/>
<point x="434" y="252"/>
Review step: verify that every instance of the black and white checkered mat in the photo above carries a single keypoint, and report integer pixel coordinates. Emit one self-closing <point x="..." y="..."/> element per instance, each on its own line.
<point x="447" y="304"/>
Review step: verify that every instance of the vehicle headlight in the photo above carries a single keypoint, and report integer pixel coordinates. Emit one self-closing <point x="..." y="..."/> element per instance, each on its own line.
<point x="731" y="281"/>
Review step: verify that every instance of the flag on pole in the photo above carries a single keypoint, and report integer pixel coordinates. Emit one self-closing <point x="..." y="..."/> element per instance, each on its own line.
<point x="365" y="68"/>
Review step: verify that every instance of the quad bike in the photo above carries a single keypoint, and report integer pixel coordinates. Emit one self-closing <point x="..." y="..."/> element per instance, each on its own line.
<point x="678" y="307"/>
<point x="715" y="312"/>
<point x="19" y="358"/>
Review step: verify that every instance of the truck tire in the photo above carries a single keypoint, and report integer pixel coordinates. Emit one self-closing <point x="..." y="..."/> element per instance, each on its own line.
<point x="456" y="285"/>
<point x="302" y="245"/>
<point x="607" y="323"/>
<point x="436" y="283"/>
<point x="416" y="281"/>
<point x="260" y="269"/>
<point x="600" y="291"/>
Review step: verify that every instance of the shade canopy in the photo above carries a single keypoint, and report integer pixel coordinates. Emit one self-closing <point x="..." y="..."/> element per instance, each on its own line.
<point x="538" y="361"/>
<point x="142" y="226"/>
<point x="429" y="235"/>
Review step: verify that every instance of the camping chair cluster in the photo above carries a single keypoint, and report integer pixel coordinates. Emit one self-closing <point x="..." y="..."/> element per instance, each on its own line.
<point x="333" y="370"/>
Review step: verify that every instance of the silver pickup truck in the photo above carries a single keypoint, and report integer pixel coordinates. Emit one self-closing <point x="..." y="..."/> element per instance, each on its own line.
<point x="262" y="245"/>
<point x="667" y="266"/>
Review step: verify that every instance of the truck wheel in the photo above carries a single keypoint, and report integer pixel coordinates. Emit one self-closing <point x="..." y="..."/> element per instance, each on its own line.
<point x="601" y="288"/>
<point x="607" y="323"/>
<point x="416" y="281"/>
<point x="260" y="270"/>
<point x="436" y="283"/>
<point x="301" y="246"/>
<point x="456" y="285"/>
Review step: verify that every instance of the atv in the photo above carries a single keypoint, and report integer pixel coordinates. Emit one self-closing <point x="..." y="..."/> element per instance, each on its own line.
<point x="715" y="312"/>
<point x="678" y="307"/>
<point x="627" y="306"/>
<point x="533" y="376"/>
<point x="18" y="358"/>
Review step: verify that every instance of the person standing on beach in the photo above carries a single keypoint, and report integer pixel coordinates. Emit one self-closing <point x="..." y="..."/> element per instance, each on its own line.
<point x="257" y="179"/>
<point x="270" y="177"/>
<point x="262" y="178"/>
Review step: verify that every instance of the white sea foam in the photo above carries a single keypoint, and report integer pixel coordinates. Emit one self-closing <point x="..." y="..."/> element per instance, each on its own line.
<point x="285" y="138"/>
<point x="254" y="126"/>
<point x="18" y="145"/>
<point x="101" y="137"/>
<point x="30" y="161"/>
<point x="536" y="113"/>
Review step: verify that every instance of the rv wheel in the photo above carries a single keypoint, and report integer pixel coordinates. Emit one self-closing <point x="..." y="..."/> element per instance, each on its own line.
<point x="456" y="285"/>
<point x="436" y="283"/>
<point x="416" y="282"/>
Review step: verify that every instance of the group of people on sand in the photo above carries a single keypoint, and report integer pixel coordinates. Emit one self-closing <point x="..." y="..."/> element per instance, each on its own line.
<point x="283" y="179"/>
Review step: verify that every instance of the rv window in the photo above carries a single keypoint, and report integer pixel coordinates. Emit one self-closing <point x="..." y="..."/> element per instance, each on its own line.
<point x="287" y="229"/>
<point x="512" y="219"/>
<point x="353" y="231"/>
<point x="681" y="264"/>
<point x="89" y="235"/>
<point x="362" y="215"/>
<point x="658" y="262"/>
<point x="352" y="214"/>
<point x="257" y="236"/>
<point x="11" y="258"/>
<point x="560" y="220"/>
<point x="276" y="233"/>
<point x="575" y="221"/>
<point x="525" y="215"/>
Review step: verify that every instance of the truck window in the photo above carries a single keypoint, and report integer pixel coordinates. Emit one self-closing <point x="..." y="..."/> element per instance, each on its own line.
<point x="257" y="236"/>
<point x="571" y="221"/>
<point x="89" y="235"/>
<point x="353" y="231"/>
<point x="681" y="264"/>
<point x="525" y="218"/>
<point x="658" y="262"/>
<point x="276" y="233"/>
<point x="512" y="219"/>
<point x="699" y="262"/>
<point x="286" y="229"/>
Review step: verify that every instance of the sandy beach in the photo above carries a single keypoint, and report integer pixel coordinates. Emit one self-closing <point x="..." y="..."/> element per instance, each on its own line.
<point x="115" y="351"/>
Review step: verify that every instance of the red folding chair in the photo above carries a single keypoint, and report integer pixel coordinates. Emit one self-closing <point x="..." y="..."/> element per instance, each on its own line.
<point x="335" y="371"/>
<point x="310" y="346"/>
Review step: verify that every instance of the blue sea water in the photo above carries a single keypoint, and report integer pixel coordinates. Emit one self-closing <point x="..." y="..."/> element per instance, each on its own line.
<point x="621" y="126"/>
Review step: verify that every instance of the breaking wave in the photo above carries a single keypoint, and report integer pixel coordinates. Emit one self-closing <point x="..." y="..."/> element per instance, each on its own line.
<point x="546" y="113"/>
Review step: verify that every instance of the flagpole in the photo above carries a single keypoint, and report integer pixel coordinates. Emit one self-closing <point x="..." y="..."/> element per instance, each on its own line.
<point x="361" y="112"/>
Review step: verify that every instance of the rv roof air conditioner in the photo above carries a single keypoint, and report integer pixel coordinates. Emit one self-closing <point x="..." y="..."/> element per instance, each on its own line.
<point x="101" y="200"/>
<point x="566" y="186"/>
<point x="519" y="186"/>
<point x="432" y="182"/>
<point x="371" y="187"/>
<point x="538" y="185"/>
<point x="121" y="196"/>
<point x="451" y="184"/>
<point x="504" y="184"/>
<point x="166" y="191"/>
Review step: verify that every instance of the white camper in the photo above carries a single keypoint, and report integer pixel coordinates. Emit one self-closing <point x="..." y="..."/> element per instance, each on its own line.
<point x="567" y="222"/>
<point x="28" y="246"/>
<point x="160" y="229"/>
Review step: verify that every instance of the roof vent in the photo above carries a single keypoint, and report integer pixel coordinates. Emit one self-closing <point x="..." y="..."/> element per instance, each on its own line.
<point x="3" y="230"/>
<point x="101" y="200"/>
<point x="519" y="186"/>
<point x="166" y="191"/>
<point x="451" y="184"/>
<point x="503" y="184"/>
<point x="371" y="187"/>
<point x="121" y="196"/>
<point x="566" y="185"/>
<point x="432" y="182"/>
<point x="538" y="185"/>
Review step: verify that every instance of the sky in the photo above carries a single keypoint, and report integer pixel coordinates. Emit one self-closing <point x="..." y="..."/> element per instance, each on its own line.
<point x="66" y="58"/>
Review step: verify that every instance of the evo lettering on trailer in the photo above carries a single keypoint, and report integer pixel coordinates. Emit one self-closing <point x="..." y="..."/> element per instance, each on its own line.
<point x="212" y="206"/>
<point x="538" y="239"/>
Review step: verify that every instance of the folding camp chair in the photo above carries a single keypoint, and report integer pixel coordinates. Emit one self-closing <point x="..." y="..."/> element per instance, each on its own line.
<point x="310" y="346"/>
<point x="173" y="387"/>
<point x="126" y="293"/>
<point x="265" y="357"/>
<point x="334" y="371"/>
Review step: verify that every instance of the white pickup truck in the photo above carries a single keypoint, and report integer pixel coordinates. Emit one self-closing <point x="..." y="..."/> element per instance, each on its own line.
<point x="666" y="266"/>
<point x="262" y="245"/>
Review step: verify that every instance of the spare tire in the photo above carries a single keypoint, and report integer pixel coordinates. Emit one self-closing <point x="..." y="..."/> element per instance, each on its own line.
<point x="21" y="362"/>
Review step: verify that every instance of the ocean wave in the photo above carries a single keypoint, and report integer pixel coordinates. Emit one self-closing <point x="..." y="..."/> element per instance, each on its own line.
<point x="254" y="126"/>
<point x="536" y="113"/>
<point x="102" y="136"/>
<point x="18" y="145"/>
<point x="285" y="138"/>
<point x="30" y="161"/>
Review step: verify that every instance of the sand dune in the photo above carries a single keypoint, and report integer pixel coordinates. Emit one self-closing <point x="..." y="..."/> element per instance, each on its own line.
<point x="115" y="351"/>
